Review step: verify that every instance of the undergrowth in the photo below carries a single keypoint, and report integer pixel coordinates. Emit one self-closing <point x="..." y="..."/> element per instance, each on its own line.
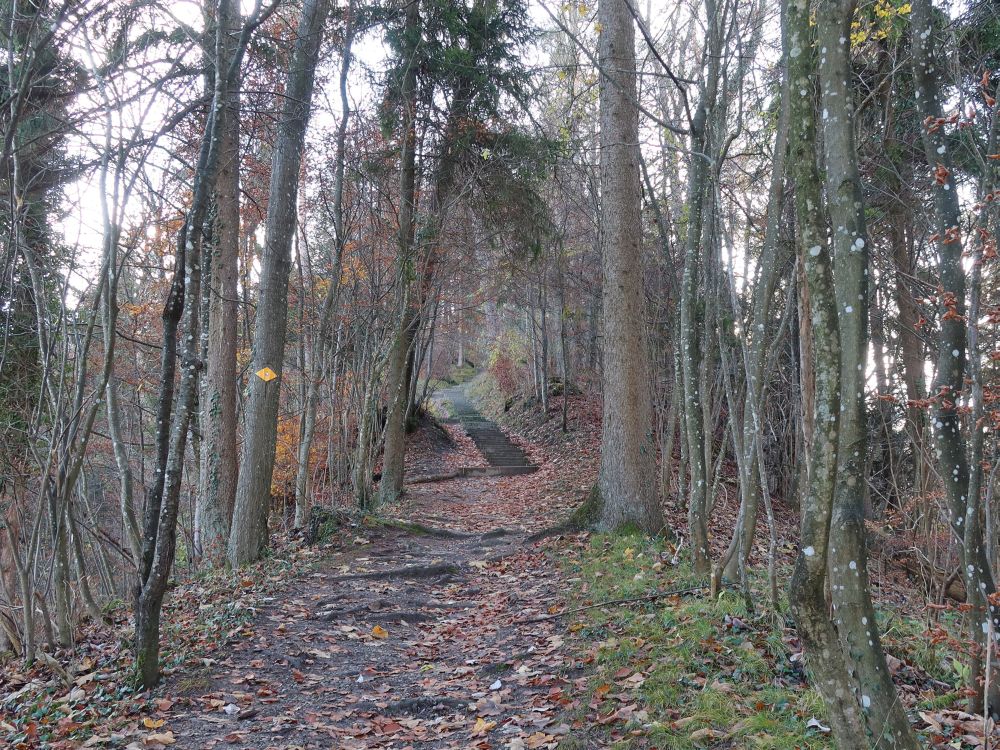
<point x="693" y="671"/>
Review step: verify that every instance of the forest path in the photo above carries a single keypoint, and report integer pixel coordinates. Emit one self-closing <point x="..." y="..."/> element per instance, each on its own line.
<point x="407" y="637"/>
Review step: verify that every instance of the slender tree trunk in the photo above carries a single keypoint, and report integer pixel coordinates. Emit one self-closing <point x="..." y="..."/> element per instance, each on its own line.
<point x="887" y="722"/>
<point x="544" y="353"/>
<point x="529" y="324"/>
<point x="563" y="356"/>
<point x="758" y="348"/>
<point x="60" y="562"/>
<point x="824" y="658"/>
<point x="183" y="300"/>
<point x="692" y="313"/>
<point x="913" y="359"/>
<point x="253" y="491"/>
<point x="961" y="479"/>
<point x="126" y="500"/>
<point x="391" y="484"/>
<point x="331" y="303"/>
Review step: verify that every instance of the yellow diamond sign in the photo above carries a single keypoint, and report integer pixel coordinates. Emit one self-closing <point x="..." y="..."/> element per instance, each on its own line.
<point x="266" y="374"/>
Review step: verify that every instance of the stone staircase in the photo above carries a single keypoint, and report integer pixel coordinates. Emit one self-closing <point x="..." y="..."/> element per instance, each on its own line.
<point x="504" y="458"/>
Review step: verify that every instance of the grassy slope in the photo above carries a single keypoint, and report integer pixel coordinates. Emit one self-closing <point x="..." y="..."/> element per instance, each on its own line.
<point x="688" y="671"/>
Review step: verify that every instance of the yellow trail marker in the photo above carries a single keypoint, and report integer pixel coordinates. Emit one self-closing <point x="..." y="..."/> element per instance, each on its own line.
<point x="266" y="374"/>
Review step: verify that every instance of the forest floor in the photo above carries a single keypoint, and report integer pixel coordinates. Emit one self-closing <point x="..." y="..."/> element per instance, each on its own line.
<point x="441" y="624"/>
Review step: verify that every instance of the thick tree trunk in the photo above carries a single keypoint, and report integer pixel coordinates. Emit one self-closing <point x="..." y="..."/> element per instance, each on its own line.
<point x="627" y="481"/>
<point x="248" y="536"/>
<point x="217" y="490"/>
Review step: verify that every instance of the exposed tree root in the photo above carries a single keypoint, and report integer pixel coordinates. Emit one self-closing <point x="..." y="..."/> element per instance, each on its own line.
<point x="412" y="571"/>
<point x="419" y="528"/>
<point x="411" y="617"/>
<point x="427" y="479"/>
<point x="584" y="517"/>
<point x="495" y="534"/>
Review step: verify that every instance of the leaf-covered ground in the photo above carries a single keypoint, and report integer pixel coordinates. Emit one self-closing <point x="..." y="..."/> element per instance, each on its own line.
<point x="442" y="625"/>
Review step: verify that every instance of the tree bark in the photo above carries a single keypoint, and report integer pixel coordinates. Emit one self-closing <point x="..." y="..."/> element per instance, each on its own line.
<point x="391" y="484"/>
<point x="824" y="658"/>
<point x="627" y="480"/>
<point x="248" y="536"/>
<point x="854" y="613"/>
<point x="217" y="490"/>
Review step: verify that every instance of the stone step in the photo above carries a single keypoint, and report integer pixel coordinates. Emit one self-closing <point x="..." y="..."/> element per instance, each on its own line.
<point x="505" y="458"/>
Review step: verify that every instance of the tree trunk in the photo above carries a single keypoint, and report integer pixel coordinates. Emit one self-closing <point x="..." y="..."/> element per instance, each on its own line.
<point x="913" y="359"/>
<point x="759" y="348"/>
<point x="391" y="484"/>
<point x="692" y="312"/>
<point x="253" y="492"/>
<point x="824" y="658"/>
<point x="887" y="722"/>
<point x="544" y="352"/>
<point x="961" y="478"/>
<point x="217" y="490"/>
<point x="331" y="303"/>
<point x="627" y="481"/>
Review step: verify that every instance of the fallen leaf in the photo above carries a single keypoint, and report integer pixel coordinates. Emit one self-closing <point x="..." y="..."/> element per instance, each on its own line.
<point x="482" y="727"/>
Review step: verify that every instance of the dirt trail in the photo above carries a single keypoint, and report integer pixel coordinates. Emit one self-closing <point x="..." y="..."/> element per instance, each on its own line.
<point x="404" y="639"/>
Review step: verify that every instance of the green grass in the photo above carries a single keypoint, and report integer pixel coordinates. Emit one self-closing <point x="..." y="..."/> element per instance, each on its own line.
<point x="716" y="675"/>
<point x="907" y="639"/>
<point x="707" y="683"/>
